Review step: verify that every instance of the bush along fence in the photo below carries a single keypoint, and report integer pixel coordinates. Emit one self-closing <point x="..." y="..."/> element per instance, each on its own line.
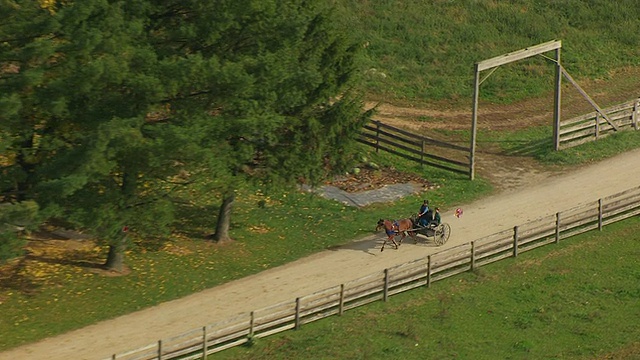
<point x="199" y="343"/>
<point x="593" y="126"/>
<point x="417" y="148"/>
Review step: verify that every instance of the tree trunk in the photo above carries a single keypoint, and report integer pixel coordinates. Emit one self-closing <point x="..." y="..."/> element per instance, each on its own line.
<point x="224" y="219"/>
<point x="24" y="186"/>
<point x="115" y="258"/>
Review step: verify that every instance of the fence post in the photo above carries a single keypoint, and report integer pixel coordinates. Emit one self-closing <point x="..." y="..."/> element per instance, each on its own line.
<point x="251" y="323"/>
<point x="422" y="155"/>
<point x="385" y="295"/>
<point x="204" y="343"/>
<point x="297" y="319"/>
<point x="429" y="271"/>
<point x="515" y="241"/>
<point x="557" y="227"/>
<point x="597" y="125"/>
<point x="634" y="114"/>
<point x="377" y="136"/>
<point x="473" y="255"/>
<point x="159" y="349"/>
<point x="341" y="306"/>
<point x="600" y="214"/>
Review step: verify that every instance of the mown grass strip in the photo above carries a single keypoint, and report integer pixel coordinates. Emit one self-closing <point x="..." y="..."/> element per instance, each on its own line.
<point x="574" y="300"/>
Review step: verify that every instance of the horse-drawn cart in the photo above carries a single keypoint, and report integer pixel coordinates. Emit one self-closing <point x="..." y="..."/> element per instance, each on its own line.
<point x="440" y="233"/>
<point x="410" y="226"/>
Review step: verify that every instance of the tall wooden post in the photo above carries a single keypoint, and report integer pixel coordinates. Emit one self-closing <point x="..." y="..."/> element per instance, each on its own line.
<point x="473" y="255"/>
<point x="252" y="320"/>
<point x="600" y="214"/>
<point x="634" y="115"/>
<point x="515" y="241"/>
<point x="341" y="306"/>
<point x="377" y="136"/>
<point x="385" y="293"/>
<point x="422" y="154"/>
<point x="297" y="317"/>
<point x="557" y="227"/>
<point x="474" y="120"/>
<point x="557" y="99"/>
<point x="204" y="343"/>
<point x="429" y="271"/>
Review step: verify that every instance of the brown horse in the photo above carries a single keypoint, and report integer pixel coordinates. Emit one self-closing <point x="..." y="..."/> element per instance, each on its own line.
<point x="397" y="227"/>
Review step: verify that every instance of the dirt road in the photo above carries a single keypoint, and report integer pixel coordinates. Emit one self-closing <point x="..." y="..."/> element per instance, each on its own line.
<point x="547" y="195"/>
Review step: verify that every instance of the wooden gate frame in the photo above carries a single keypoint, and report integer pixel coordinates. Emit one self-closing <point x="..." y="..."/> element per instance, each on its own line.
<point x="493" y="63"/>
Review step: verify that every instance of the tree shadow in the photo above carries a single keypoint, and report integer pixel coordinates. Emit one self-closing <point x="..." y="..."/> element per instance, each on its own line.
<point x="365" y="245"/>
<point x="533" y="148"/>
<point x="79" y="263"/>
<point x="65" y="248"/>
<point x="14" y="278"/>
<point x="195" y="222"/>
<point x="428" y="241"/>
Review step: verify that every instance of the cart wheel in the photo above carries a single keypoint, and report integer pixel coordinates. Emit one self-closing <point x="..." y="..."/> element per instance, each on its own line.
<point x="442" y="234"/>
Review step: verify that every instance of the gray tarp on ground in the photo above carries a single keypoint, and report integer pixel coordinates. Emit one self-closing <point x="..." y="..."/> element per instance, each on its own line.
<point x="364" y="198"/>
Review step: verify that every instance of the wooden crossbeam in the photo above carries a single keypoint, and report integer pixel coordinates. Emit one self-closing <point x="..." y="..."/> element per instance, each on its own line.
<point x="589" y="99"/>
<point x="518" y="55"/>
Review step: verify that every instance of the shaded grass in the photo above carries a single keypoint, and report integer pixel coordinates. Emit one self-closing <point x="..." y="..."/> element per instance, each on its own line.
<point x="269" y="229"/>
<point x="576" y="300"/>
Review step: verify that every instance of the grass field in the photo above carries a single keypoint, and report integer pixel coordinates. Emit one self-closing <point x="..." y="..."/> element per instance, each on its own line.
<point x="572" y="301"/>
<point x="424" y="51"/>
<point x="59" y="287"/>
<point x="575" y="300"/>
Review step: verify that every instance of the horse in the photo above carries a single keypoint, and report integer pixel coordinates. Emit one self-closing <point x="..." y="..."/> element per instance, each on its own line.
<point x="393" y="228"/>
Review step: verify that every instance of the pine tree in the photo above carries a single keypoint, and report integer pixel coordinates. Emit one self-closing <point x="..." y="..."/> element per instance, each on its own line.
<point x="275" y="79"/>
<point x="125" y="101"/>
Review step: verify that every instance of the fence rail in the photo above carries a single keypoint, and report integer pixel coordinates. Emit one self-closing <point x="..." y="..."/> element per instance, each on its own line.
<point x="593" y="126"/>
<point x="416" y="148"/>
<point x="238" y="330"/>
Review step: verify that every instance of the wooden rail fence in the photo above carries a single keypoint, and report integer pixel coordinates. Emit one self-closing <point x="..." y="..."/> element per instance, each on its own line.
<point x="593" y="126"/>
<point x="420" y="149"/>
<point x="378" y="286"/>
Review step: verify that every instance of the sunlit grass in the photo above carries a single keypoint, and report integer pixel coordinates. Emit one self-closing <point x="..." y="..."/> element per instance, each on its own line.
<point x="422" y="51"/>
<point x="576" y="300"/>
<point x="537" y="142"/>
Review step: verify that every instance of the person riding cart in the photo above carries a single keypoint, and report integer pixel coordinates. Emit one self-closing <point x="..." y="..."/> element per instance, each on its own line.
<point x="430" y="218"/>
<point x="435" y="218"/>
<point x="423" y="214"/>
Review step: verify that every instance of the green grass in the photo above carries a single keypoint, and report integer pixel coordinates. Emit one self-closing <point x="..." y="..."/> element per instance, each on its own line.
<point x="421" y="51"/>
<point x="426" y="51"/>
<point x="575" y="300"/>
<point x="537" y="142"/>
<point x="62" y="291"/>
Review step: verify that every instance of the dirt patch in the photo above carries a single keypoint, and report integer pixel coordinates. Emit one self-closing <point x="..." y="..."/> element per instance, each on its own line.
<point x="526" y="113"/>
<point x="370" y="179"/>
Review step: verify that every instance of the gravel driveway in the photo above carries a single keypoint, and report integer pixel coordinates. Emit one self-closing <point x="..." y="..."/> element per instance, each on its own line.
<point x="546" y="196"/>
